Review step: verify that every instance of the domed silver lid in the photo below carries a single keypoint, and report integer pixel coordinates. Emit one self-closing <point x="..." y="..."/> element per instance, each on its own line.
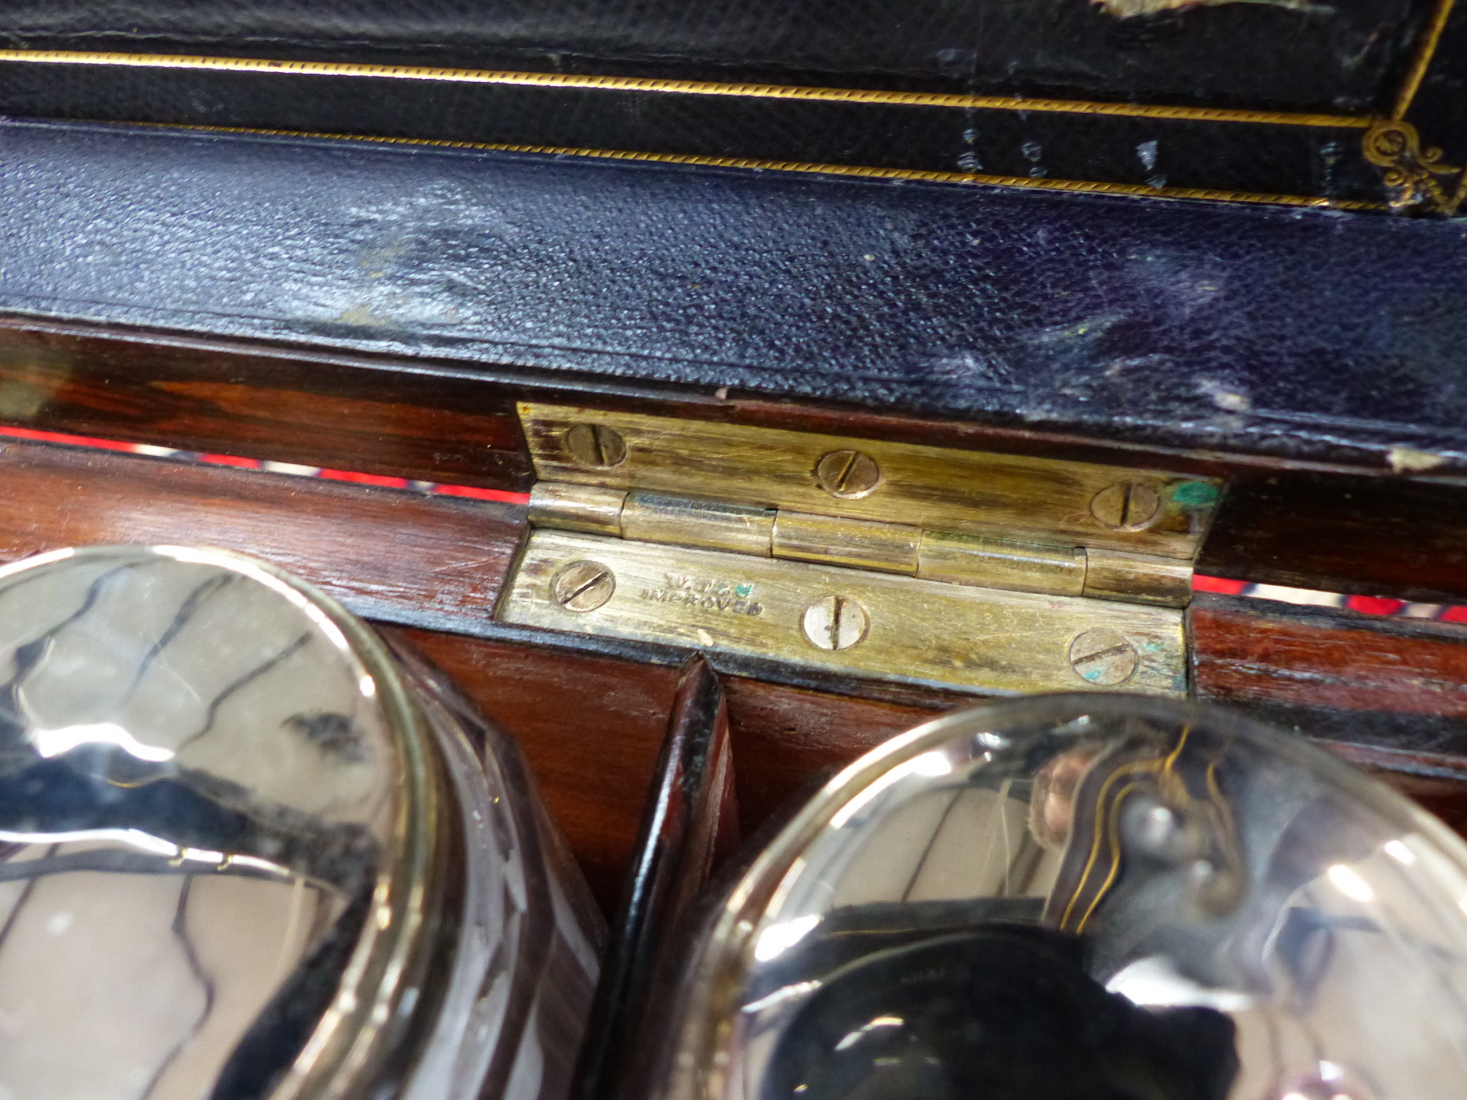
<point x="1084" y="896"/>
<point x="220" y="834"/>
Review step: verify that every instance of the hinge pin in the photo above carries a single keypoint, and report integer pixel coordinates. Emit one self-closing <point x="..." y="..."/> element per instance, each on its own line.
<point x="835" y="622"/>
<point x="583" y="586"/>
<point x="848" y="474"/>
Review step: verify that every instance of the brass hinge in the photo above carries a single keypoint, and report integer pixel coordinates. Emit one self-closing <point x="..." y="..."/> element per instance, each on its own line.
<point x="924" y="564"/>
<point x="952" y="556"/>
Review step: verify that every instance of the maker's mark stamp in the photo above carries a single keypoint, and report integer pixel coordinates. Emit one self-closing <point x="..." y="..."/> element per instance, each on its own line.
<point x="707" y="593"/>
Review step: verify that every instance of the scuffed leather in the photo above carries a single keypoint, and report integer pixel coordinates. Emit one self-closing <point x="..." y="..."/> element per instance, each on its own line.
<point x="1305" y="333"/>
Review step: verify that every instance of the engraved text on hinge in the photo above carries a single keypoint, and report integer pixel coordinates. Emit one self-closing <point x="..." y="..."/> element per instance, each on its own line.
<point x="707" y="593"/>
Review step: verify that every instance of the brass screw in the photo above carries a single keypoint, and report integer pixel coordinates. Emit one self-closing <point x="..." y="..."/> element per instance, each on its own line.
<point x="596" y="445"/>
<point x="1128" y="506"/>
<point x="848" y="474"/>
<point x="835" y="622"/>
<point x="583" y="586"/>
<point x="1103" y="657"/>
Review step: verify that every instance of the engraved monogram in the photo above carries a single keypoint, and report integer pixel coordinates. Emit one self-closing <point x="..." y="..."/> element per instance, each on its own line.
<point x="709" y="593"/>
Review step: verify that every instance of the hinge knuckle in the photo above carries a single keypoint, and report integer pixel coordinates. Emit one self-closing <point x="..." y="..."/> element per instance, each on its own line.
<point x="857" y="543"/>
<point x="712" y="524"/>
<point x="1136" y="578"/>
<point x="568" y="507"/>
<point x="995" y="563"/>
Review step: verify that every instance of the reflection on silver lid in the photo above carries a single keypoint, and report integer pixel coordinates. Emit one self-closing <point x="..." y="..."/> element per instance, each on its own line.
<point x="1081" y="896"/>
<point x="229" y="819"/>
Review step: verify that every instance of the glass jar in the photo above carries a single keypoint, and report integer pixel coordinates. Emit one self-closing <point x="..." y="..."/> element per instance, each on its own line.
<point x="249" y="851"/>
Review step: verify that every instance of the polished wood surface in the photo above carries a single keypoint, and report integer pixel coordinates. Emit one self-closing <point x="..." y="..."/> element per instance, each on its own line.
<point x="590" y="725"/>
<point x="1376" y="536"/>
<point x="1395" y="689"/>
<point x="590" y="728"/>
<point x="304" y="408"/>
<point x="689" y="825"/>
<point x="786" y="740"/>
<point x="386" y="553"/>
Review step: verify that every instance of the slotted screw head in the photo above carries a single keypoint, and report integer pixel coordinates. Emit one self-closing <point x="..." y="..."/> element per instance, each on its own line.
<point x="596" y="445"/>
<point x="1127" y="506"/>
<point x="1103" y="657"/>
<point x="835" y="622"/>
<point x="583" y="586"/>
<point x="848" y="474"/>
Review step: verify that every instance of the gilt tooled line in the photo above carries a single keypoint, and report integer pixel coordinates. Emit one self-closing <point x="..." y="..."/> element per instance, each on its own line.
<point x="862" y="171"/>
<point x="1430" y="40"/>
<point x="657" y="85"/>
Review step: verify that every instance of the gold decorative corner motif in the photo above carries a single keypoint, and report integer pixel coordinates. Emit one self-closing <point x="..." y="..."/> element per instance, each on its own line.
<point x="1416" y="179"/>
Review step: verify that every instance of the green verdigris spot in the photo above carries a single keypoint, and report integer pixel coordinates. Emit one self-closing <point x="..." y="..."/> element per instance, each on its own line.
<point x="1195" y="494"/>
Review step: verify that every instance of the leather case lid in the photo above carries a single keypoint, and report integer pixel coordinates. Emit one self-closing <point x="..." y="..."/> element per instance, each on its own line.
<point x="1305" y="333"/>
<point x="1346" y="57"/>
<point x="1268" y="100"/>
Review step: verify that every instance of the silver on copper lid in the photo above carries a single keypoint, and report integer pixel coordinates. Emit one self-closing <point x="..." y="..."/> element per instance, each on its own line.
<point x="1085" y="896"/>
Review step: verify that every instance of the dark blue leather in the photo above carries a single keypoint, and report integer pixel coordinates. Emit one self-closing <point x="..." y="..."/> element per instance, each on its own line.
<point x="1312" y="334"/>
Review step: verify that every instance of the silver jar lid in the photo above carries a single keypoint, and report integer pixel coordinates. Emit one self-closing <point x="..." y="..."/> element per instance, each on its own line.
<point x="1081" y="896"/>
<point x="244" y="851"/>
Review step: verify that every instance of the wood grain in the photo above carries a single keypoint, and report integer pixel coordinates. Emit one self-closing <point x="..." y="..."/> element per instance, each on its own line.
<point x="687" y="824"/>
<point x="1371" y="536"/>
<point x="1397" y="685"/>
<point x="590" y="728"/>
<point x="787" y="739"/>
<point x="1394" y="694"/>
<point x="385" y="553"/>
<point x="1339" y="528"/>
<point x="258" y="403"/>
